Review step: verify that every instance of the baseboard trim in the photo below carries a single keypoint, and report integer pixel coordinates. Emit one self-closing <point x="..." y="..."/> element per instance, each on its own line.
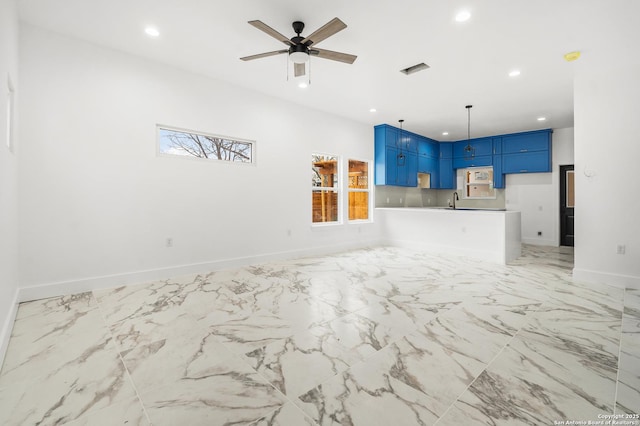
<point x="540" y="242"/>
<point x="598" y="277"/>
<point x="7" y="327"/>
<point x="61" y="288"/>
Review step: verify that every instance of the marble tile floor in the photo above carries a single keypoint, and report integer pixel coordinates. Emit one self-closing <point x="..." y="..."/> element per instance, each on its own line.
<point x="380" y="336"/>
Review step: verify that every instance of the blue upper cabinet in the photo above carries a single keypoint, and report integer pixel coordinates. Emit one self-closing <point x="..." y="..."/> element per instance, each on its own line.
<point x="481" y="147"/>
<point x="446" y="150"/>
<point x="396" y="158"/>
<point x="428" y="147"/>
<point x="528" y="152"/>
<point x="400" y="156"/>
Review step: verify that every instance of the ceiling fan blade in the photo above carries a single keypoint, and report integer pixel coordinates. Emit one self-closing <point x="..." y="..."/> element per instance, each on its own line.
<point x="298" y="69"/>
<point x="325" y="31"/>
<point x="264" y="55"/>
<point x="334" y="56"/>
<point x="273" y="33"/>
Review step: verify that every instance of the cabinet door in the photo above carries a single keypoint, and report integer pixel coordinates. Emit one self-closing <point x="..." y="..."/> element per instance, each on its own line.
<point x="481" y="147"/>
<point x="423" y="164"/>
<point x="446" y="150"/>
<point x="427" y="148"/>
<point x="446" y="173"/>
<point x="481" y="161"/>
<point x="498" y="176"/>
<point x="526" y="142"/>
<point x="528" y="162"/>
<point x="391" y="167"/>
<point x="497" y="145"/>
<point x="411" y="167"/>
<point x="392" y="138"/>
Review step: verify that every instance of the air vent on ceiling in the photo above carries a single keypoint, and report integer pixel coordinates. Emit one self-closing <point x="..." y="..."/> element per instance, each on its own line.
<point x="415" y="68"/>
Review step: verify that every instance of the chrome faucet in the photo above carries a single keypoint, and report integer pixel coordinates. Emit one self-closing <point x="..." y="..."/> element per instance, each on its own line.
<point x="454" y="198"/>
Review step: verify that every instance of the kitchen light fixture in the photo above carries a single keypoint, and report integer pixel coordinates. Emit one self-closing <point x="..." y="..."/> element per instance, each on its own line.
<point x="445" y="133"/>
<point x="372" y="110"/>
<point x="469" y="151"/>
<point x="514" y="73"/>
<point x="542" y="118"/>
<point x="401" y="157"/>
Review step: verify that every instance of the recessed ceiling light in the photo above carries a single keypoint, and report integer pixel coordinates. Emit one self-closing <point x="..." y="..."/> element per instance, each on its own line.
<point x="463" y="16"/>
<point x="514" y="73"/>
<point x="302" y="85"/>
<point x="152" y="32"/>
<point x="445" y="133"/>
<point x="372" y="110"/>
<point x="542" y="118"/>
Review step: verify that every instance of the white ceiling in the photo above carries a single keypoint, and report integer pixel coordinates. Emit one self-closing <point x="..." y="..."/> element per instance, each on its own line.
<point x="469" y="61"/>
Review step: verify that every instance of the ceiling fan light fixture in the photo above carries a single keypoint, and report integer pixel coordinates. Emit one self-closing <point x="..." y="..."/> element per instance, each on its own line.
<point x="299" y="57"/>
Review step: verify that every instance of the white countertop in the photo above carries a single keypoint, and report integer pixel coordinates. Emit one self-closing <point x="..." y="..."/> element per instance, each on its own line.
<point x="448" y="209"/>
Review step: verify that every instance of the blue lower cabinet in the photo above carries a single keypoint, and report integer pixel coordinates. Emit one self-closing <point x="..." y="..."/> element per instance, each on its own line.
<point x="446" y="173"/>
<point x="479" y="161"/>
<point x="527" y="162"/>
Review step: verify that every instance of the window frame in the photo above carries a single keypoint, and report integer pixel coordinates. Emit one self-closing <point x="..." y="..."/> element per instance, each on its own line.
<point x="489" y="183"/>
<point x="337" y="189"/>
<point x="367" y="190"/>
<point x="159" y="153"/>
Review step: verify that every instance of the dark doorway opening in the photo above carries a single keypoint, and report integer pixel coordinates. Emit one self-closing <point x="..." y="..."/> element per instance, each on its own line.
<point x="567" y="205"/>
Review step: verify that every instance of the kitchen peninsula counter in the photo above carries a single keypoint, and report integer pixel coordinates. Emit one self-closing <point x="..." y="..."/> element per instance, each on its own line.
<point x="486" y="234"/>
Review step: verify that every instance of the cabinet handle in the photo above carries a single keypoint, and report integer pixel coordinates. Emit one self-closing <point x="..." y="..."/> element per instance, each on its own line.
<point x="523" y="171"/>
<point x="524" y="150"/>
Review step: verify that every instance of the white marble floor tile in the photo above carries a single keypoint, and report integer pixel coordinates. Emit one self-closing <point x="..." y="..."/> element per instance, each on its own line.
<point x="356" y="335"/>
<point x="377" y="336"/>
<point x="190" y="353"/>
<point x="578" y="329"/>
<point x="532" y="382"/>
<point x="231" y="393"/>
<point x="366" y="395"/>
<point x="128" y="412"/>
<point x="300" y="362"/>
<point x="287" y="415"/>
<point x="94" y="379"/>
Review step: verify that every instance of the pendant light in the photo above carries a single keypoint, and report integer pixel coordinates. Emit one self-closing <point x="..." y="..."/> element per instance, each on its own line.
<point x="469" y="151"/>
<point x="401" y="157"/>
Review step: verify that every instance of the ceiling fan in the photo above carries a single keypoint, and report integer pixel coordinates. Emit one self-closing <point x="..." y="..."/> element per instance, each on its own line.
<point x="299" y="48"/>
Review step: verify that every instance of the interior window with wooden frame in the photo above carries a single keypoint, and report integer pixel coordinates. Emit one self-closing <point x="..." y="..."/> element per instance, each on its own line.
<point x="325" y="188"/>
<point x="195" y="144"/>
<point x="359" y="190"/>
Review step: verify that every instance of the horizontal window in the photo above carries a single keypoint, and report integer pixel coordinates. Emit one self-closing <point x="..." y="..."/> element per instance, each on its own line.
<point x="188" y="143"/>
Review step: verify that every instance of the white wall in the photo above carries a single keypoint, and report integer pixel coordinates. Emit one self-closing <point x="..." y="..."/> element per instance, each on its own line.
<point x="8" y="173"/>
<point x="607" y="151"/>
<point x="97" y="203"/>
<point x="537" y="195"/>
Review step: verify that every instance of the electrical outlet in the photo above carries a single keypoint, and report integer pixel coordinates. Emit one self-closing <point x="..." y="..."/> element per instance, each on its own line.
<point x="387" y="200"/>
<point x="620" y="249"/>
<point x="169" y="242"/>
